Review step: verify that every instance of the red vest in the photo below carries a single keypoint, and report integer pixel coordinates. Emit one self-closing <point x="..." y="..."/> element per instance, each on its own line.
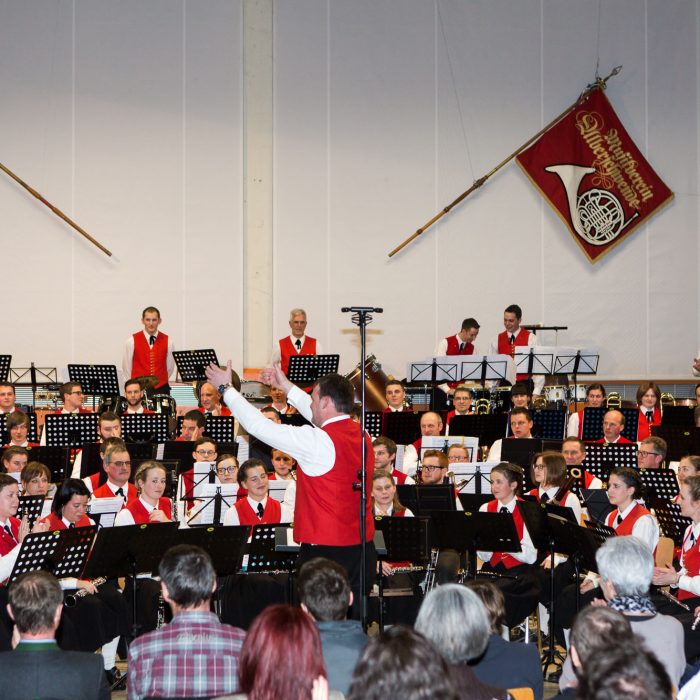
<point x="644" y="426"/>
<point x="56" y="523"/>
<point x="453" y="347"/>
<point x="622" y="441"/>
<point x="580" y="424"/>
<point x="399" y="476"/>
<point x="288" y="350"/>
<point x="587" y="479"/>
<point x="105" y="492"/>
<point x="141" y="515"/>
<point x="505" y="348"/>
<point x="507" y="560"/>
<point x="247" y="516"/>
<point x="690" y="561"/>
<point x="7" y="543"/>
<point x="627" y="525"/>
<point x="326" y="508"/>
<point x="150" y="359"/>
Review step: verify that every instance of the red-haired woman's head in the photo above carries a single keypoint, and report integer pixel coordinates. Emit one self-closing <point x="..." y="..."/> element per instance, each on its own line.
<point x="281" y="655"/>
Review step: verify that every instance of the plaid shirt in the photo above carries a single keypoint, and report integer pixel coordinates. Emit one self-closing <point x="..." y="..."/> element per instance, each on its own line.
<point x="193" y="655"/>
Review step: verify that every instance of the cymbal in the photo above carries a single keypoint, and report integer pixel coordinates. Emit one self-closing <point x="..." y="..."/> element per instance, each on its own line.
<point x="147" y="382"/>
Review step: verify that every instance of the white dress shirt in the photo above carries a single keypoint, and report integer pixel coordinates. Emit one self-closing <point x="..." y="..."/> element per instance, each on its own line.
<point x="231" y="517"/>
<point x="532" y="342"/>
<point x="128" y="356"/>
<point x="277" y="355"/>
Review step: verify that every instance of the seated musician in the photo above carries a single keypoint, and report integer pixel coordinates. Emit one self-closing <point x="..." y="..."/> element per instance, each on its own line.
<point x="204" y="451"/>
<point x="133" y="393"/>
<point x="520" y="427"/>
<point x="385" y="501"/>
<point x="685" y="582"/>
<point x="36" y="481"/>
<point x="109" y="425"/>
<point x="649" y="402"/>
<point x="430" y="426"/>
<point x="256" y="507"/>
<point x="7" y="398"/>
<point x="283" y="466"/>
<point x="395" y="396"/>
<point x="100" y="616"/>
<point x="434" y="472"/>
<point x="688" y="466"/>
<point x="652" y="453"/>
<point x="210" y="401"/>
<point x="613" y="425"/>
<point x="117" y="465"/>
<point x="271" y="413"/>
<point x="457" y="454"/>
<point x="462" y="402"/>
<point x="595" y="398"/>
<point x="150" y="506"/>
<point x="279" y="401"/>
<point x="17" y="425"/>
<point x="72" y="396"/>
<point x="520" y="395"/>
<point x="14" y="459"/>
<point x="227" y="469"/>
<point x="548" y="471"/>
<point x="574" y="451"/>
<point x="384" y="456"/>
<point x="193" y="425"/>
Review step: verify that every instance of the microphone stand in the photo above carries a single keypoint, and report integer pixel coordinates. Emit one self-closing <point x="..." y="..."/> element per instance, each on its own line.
<point x="362" y="317"/>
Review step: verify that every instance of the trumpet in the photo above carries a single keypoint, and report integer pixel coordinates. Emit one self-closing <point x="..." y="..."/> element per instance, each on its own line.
<point x="539" y="402"/>
<point x="72" y="599"/>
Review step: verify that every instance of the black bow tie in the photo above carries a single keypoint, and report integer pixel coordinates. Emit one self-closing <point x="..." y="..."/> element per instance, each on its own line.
<point x="261" y="510"/>
<point x="503" y="509"/>
<point x="619" y="519"/>
<point x="8" y="530"/>
<point x="151" y="340"/>
<point x="544" y="498"/>
<point x="120" y="492"/>
<point x="512" y="338"/>
<point x="298" y="344"/>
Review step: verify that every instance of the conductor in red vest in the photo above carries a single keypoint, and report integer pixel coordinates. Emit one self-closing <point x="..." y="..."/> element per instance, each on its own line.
<point x="506" y="342"/>
<point x="297" y="343"/>
<point x="329" y="455"/>
<point x="150" y="352"/>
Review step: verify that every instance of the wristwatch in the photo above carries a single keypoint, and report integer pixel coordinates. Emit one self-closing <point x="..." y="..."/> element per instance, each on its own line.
<point x="223" y="387"/>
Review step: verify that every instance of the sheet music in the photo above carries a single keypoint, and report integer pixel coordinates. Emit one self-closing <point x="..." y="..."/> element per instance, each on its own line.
<point x="278" y="488"/>
<point x="443" y="442"/>
<point x="208" y="491"/>
<point x="473" y="472"/>
<point x="106" y="508"/>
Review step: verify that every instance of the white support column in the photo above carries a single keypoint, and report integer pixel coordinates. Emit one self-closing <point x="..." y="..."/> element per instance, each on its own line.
<point x="257" y="193"/>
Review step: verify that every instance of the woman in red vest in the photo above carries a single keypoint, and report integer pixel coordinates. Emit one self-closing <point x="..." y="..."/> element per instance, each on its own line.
<point x="548" y="471"/>
<point x="649" y="401"/>
<point x="385" y="501"/>
<point x="688" y="466"/>
<point x="520" y="588"/>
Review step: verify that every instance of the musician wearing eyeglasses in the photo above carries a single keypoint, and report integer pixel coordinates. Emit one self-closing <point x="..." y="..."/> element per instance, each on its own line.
<point x="72" y="395"/>
<point x="434" y="471"/>
<point x="651" y="453"/>
<point x="297" y="343"/>
<point x="117" y="464"/>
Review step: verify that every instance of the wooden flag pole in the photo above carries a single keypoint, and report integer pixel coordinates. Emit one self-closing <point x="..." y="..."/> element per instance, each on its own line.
<point x="599" y="84"/>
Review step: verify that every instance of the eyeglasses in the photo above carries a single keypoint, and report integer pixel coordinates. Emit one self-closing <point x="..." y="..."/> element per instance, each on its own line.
<point x="205" y="453"/>
<point x="538" y="466"/>
<point x="457" y="458"/>
<point x="642" y="453"/>
<point x="430" y="468"/>
<point x="226" y="470"/>
<point x="121" y="464"/>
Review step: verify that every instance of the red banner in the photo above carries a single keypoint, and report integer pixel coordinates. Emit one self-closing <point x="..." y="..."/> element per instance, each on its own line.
<point x="589" y="169"/>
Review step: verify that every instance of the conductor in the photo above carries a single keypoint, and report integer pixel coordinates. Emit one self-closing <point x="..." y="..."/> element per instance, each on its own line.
<point x="327" y="509"/>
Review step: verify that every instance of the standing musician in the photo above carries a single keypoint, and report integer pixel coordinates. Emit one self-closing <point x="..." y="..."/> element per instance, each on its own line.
<point x="574" y="451"/>
<point x="395" y="396"/>
<point x="17" y="425"/>
<point x="150" y="352"/>
<point x="460" y="344"/>
<point x="279" y="401"/>
<point x="210" y="401"/>
<point x="117" y="465"/>
<point x="595" y="398"/>
<point x="99" y="617"/>
<point x="384" y="456"/>
<point x="649" y="401"/>
<point x="329" y="454"/>
<point x="512" y="337"/>
<point x="519" y="585"/>
<point x="686" y="581"/>
<point x="295" y="344"/>
<point x="613" y="424"/>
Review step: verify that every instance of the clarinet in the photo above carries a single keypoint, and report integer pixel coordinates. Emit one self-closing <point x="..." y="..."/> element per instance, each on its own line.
<point x="173" y="506"/>
<point x="673" y="599"/>
<point x="72" y="599"/>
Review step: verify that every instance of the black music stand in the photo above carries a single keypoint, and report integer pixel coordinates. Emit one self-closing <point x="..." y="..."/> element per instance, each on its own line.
<point x="549" y="423"/>
<point x="631" y="422"/>
<point x="483" y="368"/>
<point x="32" y="435"/>
<point x="575" y="362"/>
<point x="534" y="360"/>
<point x="180" y="450"/>
<point x="425" y="500"/>
<point x="225" y="545"/>
<point x="200" y="476"/>
<point x="57" y="459"/>
<point x="306" y="369"/>
<point x="263" y="558"/>
<point x="5" y="361"/>
<point x="215" y="497"/>
<point x="681" y="440"/>
<point x="97" y="380"/>
<point x="91" y="461"/>
<point x="682" y="416"/>
<point x="474" y="501"/>
<point x="61" y="552"/>
<point x="659" y="483"/>
<point x="403" y="427"/>
<point x="474" y="477"/>
<point x="145" y="427"/>
<point x="192" y="363"/>
<point x="405" y="539"/>
<point x="373" y="423"/>
<point x="600" y="459"/>
<point x="487" y="427"/>
<point x="597" y="503"/>
<point x="70" y="429"/>
<point x="671" y="523"/>
<point x="592" y="426"/>
<point x="32" y="506"/>
<point x="219" y="428"/>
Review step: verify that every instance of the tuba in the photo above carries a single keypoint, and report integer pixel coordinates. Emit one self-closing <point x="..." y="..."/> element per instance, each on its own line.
<point x="614" y="400"/>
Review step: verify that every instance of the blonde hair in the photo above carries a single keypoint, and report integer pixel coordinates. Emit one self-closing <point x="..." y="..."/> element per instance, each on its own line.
<point x="145" y="467"/>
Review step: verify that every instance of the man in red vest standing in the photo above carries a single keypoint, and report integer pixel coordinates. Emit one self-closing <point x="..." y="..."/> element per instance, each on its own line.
<point x="460" y="344"/>
<point x="514" y="337"/>
<point x="150" y="352"/>
<point x="298" y="343"/>
<point x="329" y="454"/>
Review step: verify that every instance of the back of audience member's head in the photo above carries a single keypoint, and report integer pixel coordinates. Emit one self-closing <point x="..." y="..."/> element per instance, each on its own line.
<point x="188" y="574"/>
<point x="324" y="589"/>
<point x="281" y="655"/>
<point x="595" y="627"/>
<point x="494" y="602"/>
<point x="34" y="599"/>
<point x="627" y="563"/>
<point x="401" y="663"/>
<point x="455" y="620"/>
<point x="627" y="671"/>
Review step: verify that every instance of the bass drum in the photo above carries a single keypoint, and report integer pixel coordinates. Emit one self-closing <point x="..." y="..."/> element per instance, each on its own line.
<point x="163" y="404"/>
<point x="375" y="381"/>
<point x="117" y="404"/>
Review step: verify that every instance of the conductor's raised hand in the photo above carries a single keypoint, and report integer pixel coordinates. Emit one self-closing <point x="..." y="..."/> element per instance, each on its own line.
<point x="218" y="376"/>
<point x="274" y="376"/>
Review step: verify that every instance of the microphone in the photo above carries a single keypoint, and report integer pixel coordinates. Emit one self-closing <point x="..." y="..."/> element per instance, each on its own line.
<point x="362" y="309"/>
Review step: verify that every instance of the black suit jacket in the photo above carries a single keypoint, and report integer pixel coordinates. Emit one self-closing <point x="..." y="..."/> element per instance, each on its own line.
<point x="54" y="674"/>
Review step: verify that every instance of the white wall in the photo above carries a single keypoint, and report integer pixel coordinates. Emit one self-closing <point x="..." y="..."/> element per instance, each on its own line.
<point x="128" y="115"/>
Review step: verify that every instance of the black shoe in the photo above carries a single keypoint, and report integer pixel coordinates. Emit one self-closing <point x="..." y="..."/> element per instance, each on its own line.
<point x="115" y="680"/>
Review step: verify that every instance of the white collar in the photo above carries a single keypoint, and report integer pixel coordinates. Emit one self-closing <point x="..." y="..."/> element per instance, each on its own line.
<point x="294" y="340"/>
<point x="510" y="506"/>
<point x="254" y="504"/>
<point x="627" y="510"/>
<point x="335" y="419"/>
<point x="147" y="335"/>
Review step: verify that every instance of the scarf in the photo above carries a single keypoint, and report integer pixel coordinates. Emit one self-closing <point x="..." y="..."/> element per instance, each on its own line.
<point x="633" y="604"/>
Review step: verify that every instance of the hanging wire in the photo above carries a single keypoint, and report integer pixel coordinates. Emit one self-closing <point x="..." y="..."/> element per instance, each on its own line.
<point x="597" y="45"/>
